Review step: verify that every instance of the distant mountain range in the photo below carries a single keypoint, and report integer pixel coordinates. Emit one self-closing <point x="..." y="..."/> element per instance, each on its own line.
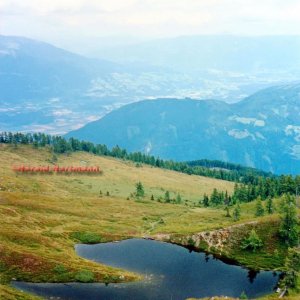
<point x="44" y="88"/>
<point x="41" y="85"/>
<point x="219" y="53"/>
<point x="262" y="131"/>
<point x="34" y="70"/>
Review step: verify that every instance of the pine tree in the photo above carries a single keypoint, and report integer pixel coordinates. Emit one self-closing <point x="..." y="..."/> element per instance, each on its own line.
<point x="236" y="212"/>
<point x="205" y="201"/>
<point x="178" y="199"/>
<point x="269" y="206"/>
<point x="167" y="197"/>
<point x="227" y="211"/>
<point x="288" y="230"/>
<point x="292" y="268"/>
<point x="243" y="195"/>
<point x="152" y="197"/>
<point x="215" y="197"/>
<point x="226" y="199"/>
<point x="140" y="193"/>
<point x="259" y="210"/>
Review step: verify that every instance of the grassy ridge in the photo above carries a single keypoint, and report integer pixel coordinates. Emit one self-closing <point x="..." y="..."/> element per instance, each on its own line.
<point x="43" y="216"/>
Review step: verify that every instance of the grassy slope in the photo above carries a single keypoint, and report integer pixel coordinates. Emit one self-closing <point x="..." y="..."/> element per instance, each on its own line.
<point x="40" y="212"/>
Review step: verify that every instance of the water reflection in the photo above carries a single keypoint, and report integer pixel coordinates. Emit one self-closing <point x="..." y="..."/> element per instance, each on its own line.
<point x="171" y="272"/>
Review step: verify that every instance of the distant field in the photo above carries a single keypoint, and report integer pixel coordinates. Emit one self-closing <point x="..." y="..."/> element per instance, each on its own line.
<point x="43" y="216"/>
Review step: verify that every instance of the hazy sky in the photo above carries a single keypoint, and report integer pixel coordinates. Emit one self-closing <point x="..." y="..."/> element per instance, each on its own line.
<point x="65" y="21"/>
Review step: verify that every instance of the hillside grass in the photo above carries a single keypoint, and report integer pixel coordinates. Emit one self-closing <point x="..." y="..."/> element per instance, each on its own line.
<point x="44" y="216"/>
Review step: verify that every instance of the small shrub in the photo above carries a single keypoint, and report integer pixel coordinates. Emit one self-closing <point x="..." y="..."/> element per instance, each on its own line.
<point x="85" y="276"/>
<point x="2" y="267"/>
<point x="252" y="242"/>
<point x="86" y="237"/>
<point x="111" y="278"/>
<point x="191" y="242"/>
<point x="161" y="221"/>
<point x="203" y="245"/>
<point x="60" y="269"/>
<point x="213" y="249"/>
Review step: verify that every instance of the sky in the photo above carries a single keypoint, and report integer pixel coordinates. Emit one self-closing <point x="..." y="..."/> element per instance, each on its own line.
<point x="69" y="22"/>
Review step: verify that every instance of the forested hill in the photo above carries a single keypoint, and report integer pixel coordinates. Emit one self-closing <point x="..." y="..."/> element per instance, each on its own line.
<point x="227" y="166"/>
<point x="261" y="131"/>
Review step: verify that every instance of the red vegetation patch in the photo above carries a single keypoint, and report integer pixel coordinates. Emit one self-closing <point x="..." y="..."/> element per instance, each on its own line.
<point x="25" y="262"/>
<point x="56" y="169"/>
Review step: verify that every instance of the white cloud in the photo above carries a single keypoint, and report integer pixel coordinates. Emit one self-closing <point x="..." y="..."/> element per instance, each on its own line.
<point x="56" y="20"/>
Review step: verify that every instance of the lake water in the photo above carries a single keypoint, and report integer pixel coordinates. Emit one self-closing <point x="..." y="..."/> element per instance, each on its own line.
<point x="171" y="272"/>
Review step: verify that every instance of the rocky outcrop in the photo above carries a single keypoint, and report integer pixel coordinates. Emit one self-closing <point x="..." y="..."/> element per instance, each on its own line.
<point x="213" y="241"/>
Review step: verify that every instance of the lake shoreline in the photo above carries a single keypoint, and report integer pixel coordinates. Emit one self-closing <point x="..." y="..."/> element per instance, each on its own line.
<point x="135" y="260"/>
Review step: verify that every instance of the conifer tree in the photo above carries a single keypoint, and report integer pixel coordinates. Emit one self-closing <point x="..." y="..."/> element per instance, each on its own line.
<point x="270" y="206"/>
<point x="227" y="211"/>
<point x="236" y="212"/>
<point x="178" y="199"/>
<point x="140" y="193"/>
<point x="226" y="199"/>
<point x="205" y="201"/>
<point x="288" y="230"/>
<point x="259" y="210"/>
<point x="167" y="197"/>
<point x="215" y="198"/>
<point x="292" y="268"/>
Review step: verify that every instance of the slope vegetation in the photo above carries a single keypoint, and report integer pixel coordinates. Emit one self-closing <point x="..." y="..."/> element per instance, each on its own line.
<point x="44" y="216"/>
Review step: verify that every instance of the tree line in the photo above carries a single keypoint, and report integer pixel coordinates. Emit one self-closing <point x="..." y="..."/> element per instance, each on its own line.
<point x="262" y="187"/>
<point x="250" y="183"/>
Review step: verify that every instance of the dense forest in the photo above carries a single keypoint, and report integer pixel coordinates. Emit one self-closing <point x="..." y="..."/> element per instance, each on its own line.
<point x="218" y="164"/>
<point x="250" y="183"/>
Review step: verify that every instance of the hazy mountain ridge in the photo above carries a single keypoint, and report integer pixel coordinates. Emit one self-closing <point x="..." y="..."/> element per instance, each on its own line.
<point x="252" y="54"/>
<point x="44" y="88"/>
<point x="262" y="131"/>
